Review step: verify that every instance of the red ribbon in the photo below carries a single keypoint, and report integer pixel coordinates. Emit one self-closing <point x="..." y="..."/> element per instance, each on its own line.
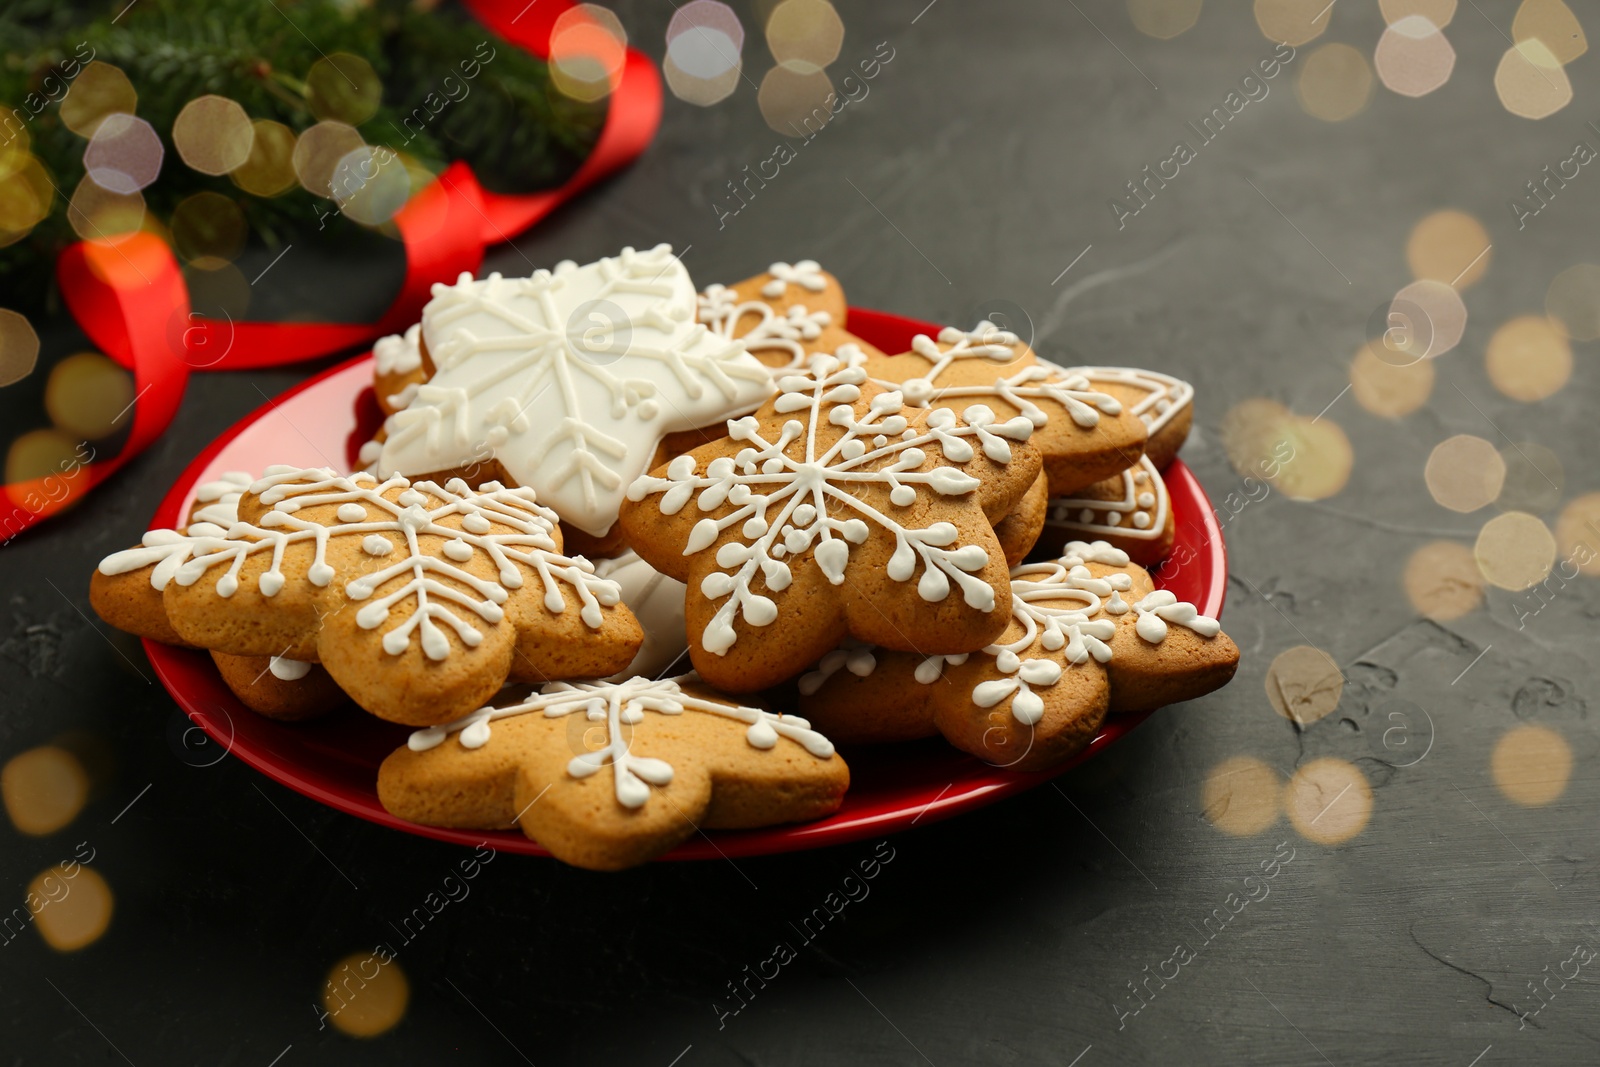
<point x="129" y="295"/>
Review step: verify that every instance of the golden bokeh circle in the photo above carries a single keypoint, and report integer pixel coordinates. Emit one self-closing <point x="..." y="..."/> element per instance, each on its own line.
<point x="1335" y="83"/>
<point x="16" y="150"/>
<point x="1552" y="23"/>
<point x="1255" y="436"/>
<point x="1578" y="533"/>
<point x="213" y="135"/>
<point x="370" y="185"/>
<point x="269" y="169"/>
<point x="1163" y="19"/>
<point x="40" y="454"/>
<point x="1304" y="684"/>
<point x="217" y="290"/>
<point x="100" y="89"/>
<point x="19" y="347"/>
<point x="1442" y="581"/>
<point x="319" y="150"/>
<point x="1438" y="12"/>
<point x="1426" y="319"/>
<point x="1531" y="765"/>
<point x="704" y="42"/>
<point x="344" y="88"/>
<point x="794" y="102"/>
<point x="805" y="35"/>
<point x="1241" y="796"/>
<point x="97" y="214"/>
<point x="1413" y="58"/>
<point x="1292" y="22"/>
<point x="1534" y="478"/>
<point x="125" y="154"/>
<point x="44" y="789"/>
<point x="1515" y="550"/>
<point x="1328" y="801"/>
<point x="86" y="394"/>
<point x="588" y="47"/>
<point x="1528" y="359"/>
<point x="1322" y="459"/>
<point x="1572" y="302"/>
<point x="26" y="197"/>
<point x="70" y="913"/>
<point x="209" y="228"/>
<point x="1464" y="473"/>
<point x="1531" y="82"/>
<point x="1388" y="390"/>
<point x="364" y="995"/>
<point x="702" y="92"/>
<point x="1449" y="246"/>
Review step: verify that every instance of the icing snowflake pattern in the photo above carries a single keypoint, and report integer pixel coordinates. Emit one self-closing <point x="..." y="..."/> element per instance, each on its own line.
<point x="722" y="311"/>
<point x="806" y="274"/>
<point x="1035" y="381"/>
<point x="784" y="506"/>
<point x="570" y="377"/>
<point x="1141" y="512"/>
<point x="623" y="703"/>
<point x="365" y="512"/>
<point x="1164" y="395"/>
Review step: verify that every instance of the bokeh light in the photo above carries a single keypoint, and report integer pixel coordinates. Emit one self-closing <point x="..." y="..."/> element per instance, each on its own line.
<point x="1464" y="473"/>
<point x="213" y="135"/>
<point x="1528" y="359"/>
<point x="365" y="995"/>
<point x="125" y="153"/>
<point x="1241" y="796"/>
<point x="1552" y="23"/>
<point x="1292" y="22"/>
<point x="1531" y="765"/>
<point x="269" y="170"/>
<point x="370" y="186"/>
<point x="1328" y="801"/>
<point x="86" y="394"/>
<point x="44" y="789"/>
<point x="217" y="290"/>
<point x="1534" y="478"/>
<point x="1449" y="246"/>
<point x="100" y="89"/>
<point x="795" y="103"/>
<point x="1573" y="302"/>
<point x="318" y="152"/>
<point x="588" y="48"/>
<point x="1304" y="684"/>
<point x="1335" y="83"/>
<point x="1531" y="82"/>
<point x="26" y="196"/>
<point x="1322" y="459"/>
<point x="1163" y="19"/>
<point x="1515" y="550"/>
<point x="1388" y="390"/>
<point x="1438" y="12"/>
<point x="704" y="42"/>
<point x="805" y="35"/>
<point x="40" y="454"/>
<point x="209" y="228"/>
<point x="97" y="213"/>
<point x="1442" y="581"/>
<point x="70" y="912"/>
<point x="1578" y="532"/>
<point x="19" y="347"/>
<point x="343" y="87"/>
<point x="1426" y="319"/>
<point x="1413" y="58"/>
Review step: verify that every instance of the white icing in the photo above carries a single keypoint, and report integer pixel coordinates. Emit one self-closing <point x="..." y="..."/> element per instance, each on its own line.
<point x="369" y="453"/>
<point x="525" y="539"/>
<point x="1164" y="397"/>
<point x="1141" y="512"/>
<point x="624" y="703"/>
<point x="219" y="499"/>
<point x="722" y="311"/>
<point x="806" y="274"/>
<point x="399" y="353"/>
<point x="1162" y="607"/>
<point x="1035" y="381"/>
<point x="402" y="400"/>
<point x="288" y="670"/>
<point x="657" y="602"/>
<point x="570" y="378"/>
<point x="784" y="506"/>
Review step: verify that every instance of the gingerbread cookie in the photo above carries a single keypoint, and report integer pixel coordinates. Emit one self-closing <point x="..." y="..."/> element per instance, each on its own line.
<point x="420" y="600"/>
<point x="1165" y="404"/>
<point x="607" y="775"/>
<point x="566" y="381"/>
<point x="1090" y="634"/>
<point x="1131" y="510"/>
<point x="845" y="513"/>
<point x="1083" y="434"/>
<point x="1019" y="531"/>
<point x="784" y="316"/>
<point x="289" y="690"/>
<point x="399" y="367"/>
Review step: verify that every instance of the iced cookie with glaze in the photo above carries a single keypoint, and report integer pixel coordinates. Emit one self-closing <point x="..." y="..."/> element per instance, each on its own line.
<point x="1132" y="510"/>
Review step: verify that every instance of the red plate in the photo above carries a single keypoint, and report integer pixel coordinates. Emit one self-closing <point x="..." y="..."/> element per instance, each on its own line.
<point x="324" y="421"/>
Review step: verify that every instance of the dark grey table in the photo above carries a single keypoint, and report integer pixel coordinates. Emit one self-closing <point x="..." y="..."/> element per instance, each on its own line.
<point x="976" y="170"/>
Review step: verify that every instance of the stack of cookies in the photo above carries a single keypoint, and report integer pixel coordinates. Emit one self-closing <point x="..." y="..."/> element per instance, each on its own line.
<point x="632" y="558"/>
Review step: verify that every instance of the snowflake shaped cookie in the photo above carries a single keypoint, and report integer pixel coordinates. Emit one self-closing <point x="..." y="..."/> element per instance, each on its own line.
<point x="568" y="380"/>
<point x="782" y="324"/>
<point x="1089" y="634"/>
<point x="835" y="500"/>
<point x="420" y="600"/>
<point x="1163" y="403"/>
<point x="1132" y="510"/>
<point x="1083" y="434"/>
<point x="609" y="774"/>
